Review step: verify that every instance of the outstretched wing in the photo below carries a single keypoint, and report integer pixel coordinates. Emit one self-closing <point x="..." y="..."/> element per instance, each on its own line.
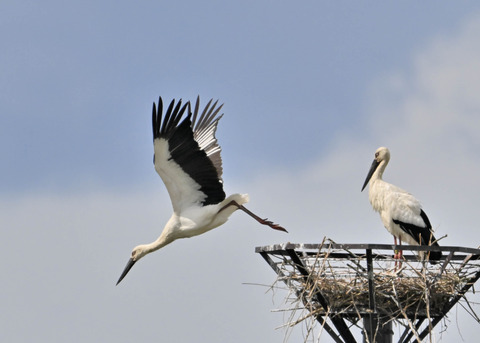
<point x="183" y="164"/>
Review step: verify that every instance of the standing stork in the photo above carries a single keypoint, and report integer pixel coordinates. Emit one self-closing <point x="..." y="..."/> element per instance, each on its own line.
<point x="401" y="213"/>
<point x="187" y="158"/>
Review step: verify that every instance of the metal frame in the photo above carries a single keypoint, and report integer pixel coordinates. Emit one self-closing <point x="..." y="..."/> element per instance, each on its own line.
<point x="297" y="255"/>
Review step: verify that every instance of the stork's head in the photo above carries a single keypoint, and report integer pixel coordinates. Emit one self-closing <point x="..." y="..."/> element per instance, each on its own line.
<point x="382" y="156"/>
<point x="137" y="253"/>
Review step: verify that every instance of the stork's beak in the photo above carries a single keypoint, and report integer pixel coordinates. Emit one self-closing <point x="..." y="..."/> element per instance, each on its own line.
<point x="370" y="173"/>
<point x="129" y="266"/>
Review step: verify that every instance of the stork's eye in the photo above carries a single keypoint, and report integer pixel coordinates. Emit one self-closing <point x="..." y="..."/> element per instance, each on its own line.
<point x="376" y="154"/>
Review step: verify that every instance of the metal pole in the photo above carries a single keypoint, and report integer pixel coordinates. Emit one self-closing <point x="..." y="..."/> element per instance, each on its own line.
<point x="381" y="332"/>
<point x="376" y="329"/>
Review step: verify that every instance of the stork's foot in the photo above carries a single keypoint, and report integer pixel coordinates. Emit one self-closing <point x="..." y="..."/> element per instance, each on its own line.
<point x="271" y="224"/>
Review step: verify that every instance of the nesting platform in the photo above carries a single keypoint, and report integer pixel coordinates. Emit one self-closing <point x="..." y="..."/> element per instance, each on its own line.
<point x="343" y="285"/>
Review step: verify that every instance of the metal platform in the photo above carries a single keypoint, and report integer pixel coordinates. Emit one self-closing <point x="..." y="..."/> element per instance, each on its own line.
<point x="342" y="284"/>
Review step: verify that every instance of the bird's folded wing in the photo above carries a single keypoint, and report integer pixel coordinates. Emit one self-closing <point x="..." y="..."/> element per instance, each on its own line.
<point x="409" y="215"/>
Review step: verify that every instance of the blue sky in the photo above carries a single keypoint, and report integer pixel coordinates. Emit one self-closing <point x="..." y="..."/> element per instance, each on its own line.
<point x="78" y="80"/>
<point x="310" y="91"/>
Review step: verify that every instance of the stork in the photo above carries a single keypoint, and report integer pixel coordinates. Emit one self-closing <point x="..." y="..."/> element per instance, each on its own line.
<point x="187" y="158"/>
<point x="401" y="213"/>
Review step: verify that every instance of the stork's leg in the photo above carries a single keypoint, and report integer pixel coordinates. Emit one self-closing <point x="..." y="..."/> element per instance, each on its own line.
<point x="254" y="216"/>
<point x="395" y="257"/>
<point x="397" y="251"/>
<point x="400" y="253"/>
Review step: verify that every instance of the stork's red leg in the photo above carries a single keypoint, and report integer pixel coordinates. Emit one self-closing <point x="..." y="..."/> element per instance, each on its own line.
<point x="395" y="256"/>
<point x="254" y="216"/>
<point x="400" y="253"/>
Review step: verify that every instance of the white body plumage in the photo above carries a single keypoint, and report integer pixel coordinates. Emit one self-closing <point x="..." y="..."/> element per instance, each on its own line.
<point x="187" y="158"/>
<point x="401" y="213"/>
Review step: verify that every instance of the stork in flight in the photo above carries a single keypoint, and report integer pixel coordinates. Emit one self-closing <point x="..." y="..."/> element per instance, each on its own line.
<point x="187" y="158"/>
<point x="401" y="213"/>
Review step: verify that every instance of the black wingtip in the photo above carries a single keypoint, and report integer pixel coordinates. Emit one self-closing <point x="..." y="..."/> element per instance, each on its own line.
<point x="157" y="117"/>
<point x="165" y="125"/>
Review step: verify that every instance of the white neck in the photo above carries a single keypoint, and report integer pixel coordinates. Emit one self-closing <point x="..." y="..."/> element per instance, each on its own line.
<point x="159" y="243"/>
<point x="166" y="237"/>
<point x="377" y="175"/>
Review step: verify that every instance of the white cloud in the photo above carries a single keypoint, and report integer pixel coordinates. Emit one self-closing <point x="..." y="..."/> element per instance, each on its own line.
<point x="436" y="102"/>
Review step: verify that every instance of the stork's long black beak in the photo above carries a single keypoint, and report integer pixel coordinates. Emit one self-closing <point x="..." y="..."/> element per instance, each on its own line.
<point x="370" y="173"/>
<point x="129" y="266"/>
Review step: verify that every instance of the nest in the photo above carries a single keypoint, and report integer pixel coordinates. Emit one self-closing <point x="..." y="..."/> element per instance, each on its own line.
<point x="328" y="282"/>
<point x="415" y="295"/>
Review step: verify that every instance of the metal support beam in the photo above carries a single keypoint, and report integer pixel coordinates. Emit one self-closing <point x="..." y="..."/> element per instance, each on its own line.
<point x="379" y="332"/>
<point x="375" y="329"/>
<point x="372" y="316"/>
<point x="319" y="318"/>
<point x="338" y="322"/>
<point x="408" y="333"/>
<point x="451" y="303"/>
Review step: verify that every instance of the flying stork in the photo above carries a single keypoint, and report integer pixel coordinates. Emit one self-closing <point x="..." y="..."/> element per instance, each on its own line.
<point x="187" y="158"/>
<point x="401" y="213"/>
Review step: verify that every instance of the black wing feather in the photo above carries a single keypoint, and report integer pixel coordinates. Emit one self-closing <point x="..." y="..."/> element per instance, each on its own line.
<point x="157" y="118"/>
